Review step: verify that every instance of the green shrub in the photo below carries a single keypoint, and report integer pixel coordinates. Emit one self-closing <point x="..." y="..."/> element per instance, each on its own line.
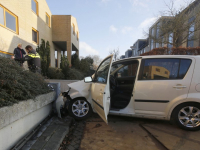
<point x="55" y="73"/>
<point x="17" y="84"/>
<point x="84" y="66"/>
<point x="64" y="65"/>
<point x="75" y="74"/>
<point x="44" y="52"/>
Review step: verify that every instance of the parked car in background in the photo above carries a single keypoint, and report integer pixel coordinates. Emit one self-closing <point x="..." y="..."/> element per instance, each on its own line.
<point x="160" y="87"/>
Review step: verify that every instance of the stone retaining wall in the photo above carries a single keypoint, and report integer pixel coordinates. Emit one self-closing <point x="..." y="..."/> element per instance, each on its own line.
<point x="18" y="120"/>
<point x="63" y="83"/>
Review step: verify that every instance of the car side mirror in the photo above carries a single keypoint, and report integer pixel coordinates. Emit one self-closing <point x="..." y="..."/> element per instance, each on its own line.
<point x="87" y="79"/>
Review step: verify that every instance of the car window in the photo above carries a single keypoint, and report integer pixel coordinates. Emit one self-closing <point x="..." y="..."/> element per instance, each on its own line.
<point x="102" y="72"/>
<point x="162" y="69"/>
<point x="120" y="70"/>
<point x="185" y="64"/>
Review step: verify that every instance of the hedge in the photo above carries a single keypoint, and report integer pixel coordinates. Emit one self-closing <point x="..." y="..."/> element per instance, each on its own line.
<point x="17" y="84"/>
<point x="174" y="51"/>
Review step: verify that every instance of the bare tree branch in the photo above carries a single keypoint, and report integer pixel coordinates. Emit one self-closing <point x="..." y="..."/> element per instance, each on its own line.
<point x="115" y="53"/>
<point x="183" y="22"/>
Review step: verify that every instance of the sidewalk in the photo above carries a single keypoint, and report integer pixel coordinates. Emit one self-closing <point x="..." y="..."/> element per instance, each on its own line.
<point x="50" y="136"/>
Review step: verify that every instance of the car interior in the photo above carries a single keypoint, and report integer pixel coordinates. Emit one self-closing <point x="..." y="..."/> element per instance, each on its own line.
<point x="122" y="79"/>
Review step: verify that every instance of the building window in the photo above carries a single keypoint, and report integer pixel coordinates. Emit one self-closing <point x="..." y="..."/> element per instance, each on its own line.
<point x="48" y="20"/>
<point x="163" y="41"/>
<point x="35" y="36"/>
<point x="157" y="34"/>
<point x="8" y="19"/>
<point x="170" y="42"/>
<point x="152" y="44"/>
<point x="157" y="69"/>
<point x="1" y="16"/>
<point x="157" y="45"/>
<point x="34" y="6"/>
<point x="152" y="32"/>
<point x="77" y="36"/>
<point x="190" y="40"/>
<point x="152" y="41"/>
<point x="73" y="29"/>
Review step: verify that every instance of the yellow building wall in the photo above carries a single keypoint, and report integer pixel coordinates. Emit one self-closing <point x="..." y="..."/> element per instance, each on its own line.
<point x="27" y="20"/>
<point x="74" y="37"/>
<point x="62" y="31"/>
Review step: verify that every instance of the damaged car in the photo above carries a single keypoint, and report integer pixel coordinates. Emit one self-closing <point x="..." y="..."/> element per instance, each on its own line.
<point x="163" y="87"/>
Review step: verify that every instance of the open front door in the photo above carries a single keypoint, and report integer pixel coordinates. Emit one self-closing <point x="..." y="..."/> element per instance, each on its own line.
<point x="100" y="88"/>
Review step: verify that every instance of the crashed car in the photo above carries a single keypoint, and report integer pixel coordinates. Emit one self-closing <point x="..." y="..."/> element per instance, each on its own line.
<point x="163" y="87"/>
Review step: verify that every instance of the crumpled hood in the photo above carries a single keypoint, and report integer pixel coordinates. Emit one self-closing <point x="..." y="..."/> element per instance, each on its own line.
<point x="81" y="87"/>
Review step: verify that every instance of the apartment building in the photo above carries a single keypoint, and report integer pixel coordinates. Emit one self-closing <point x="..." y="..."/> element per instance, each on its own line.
<point x="192" y="12"/>
<point x="29" y="21"/>
<point x="128" y="53"/>
<point x="144" y="48"/>
<point x="140" y="47"/>
<point x="155" y="40"/>
<point x="184" y="30"/>
<point x="122" y="57"/>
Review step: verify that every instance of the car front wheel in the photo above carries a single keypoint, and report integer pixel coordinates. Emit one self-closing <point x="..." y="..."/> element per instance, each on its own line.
<point x="187" y="116"/>
<point x="79" y="109"/>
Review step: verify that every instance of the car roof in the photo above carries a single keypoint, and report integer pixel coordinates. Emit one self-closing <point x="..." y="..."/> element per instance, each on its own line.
<point x="160" y="56"/>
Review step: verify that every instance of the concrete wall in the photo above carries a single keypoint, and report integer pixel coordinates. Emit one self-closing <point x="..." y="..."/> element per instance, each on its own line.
<point x="18" y="120"/>
<point x="63" y="83"/>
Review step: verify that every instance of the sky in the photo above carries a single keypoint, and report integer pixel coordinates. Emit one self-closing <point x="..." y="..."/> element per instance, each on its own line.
<point x="105" y="25"/>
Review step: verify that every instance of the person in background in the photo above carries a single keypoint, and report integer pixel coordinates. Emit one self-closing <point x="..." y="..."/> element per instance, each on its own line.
<point x="19" y="54"/>
<point x="33" y="59"/>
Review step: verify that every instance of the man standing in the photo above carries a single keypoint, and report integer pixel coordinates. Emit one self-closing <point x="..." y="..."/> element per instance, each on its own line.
<point x="33" y="59"/>
<point x="19" y="54"/>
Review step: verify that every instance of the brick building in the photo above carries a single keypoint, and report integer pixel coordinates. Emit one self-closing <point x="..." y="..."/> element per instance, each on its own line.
<point x="29" y="21"/>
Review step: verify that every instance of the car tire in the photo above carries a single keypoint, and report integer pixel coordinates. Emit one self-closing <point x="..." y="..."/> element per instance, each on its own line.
<point x="187" y="116"/>
<point x="79" y="109"/>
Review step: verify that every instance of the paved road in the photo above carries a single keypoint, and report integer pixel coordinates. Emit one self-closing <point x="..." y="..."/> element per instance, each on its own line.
<point x="126" y="133"/>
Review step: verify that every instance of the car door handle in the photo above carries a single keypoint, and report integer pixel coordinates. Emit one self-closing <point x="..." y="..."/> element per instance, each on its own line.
<point x="179" y="86"/>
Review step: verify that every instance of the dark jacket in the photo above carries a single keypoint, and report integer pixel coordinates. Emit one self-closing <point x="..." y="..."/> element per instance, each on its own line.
<point x="34" y="62"/>
<point x="19" y="53"/>
<point x="33" y="59"/>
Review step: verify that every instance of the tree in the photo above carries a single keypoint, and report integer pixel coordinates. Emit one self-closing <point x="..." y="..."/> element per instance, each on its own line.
<point x="75" y="61"/>
<point x="89" y="60"/>
<point x="44" y="51"/>
<point x="115" y="53"/>
<point x="96" y="61"/>
<point x="84" y="66"/>
<point x="180" y="26"/>
<point x="64" y="65"/>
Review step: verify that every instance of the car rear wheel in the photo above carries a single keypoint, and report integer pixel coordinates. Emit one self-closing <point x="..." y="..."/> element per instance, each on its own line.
<point x="79" y="109"/>
<point x="187" y="116"/>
